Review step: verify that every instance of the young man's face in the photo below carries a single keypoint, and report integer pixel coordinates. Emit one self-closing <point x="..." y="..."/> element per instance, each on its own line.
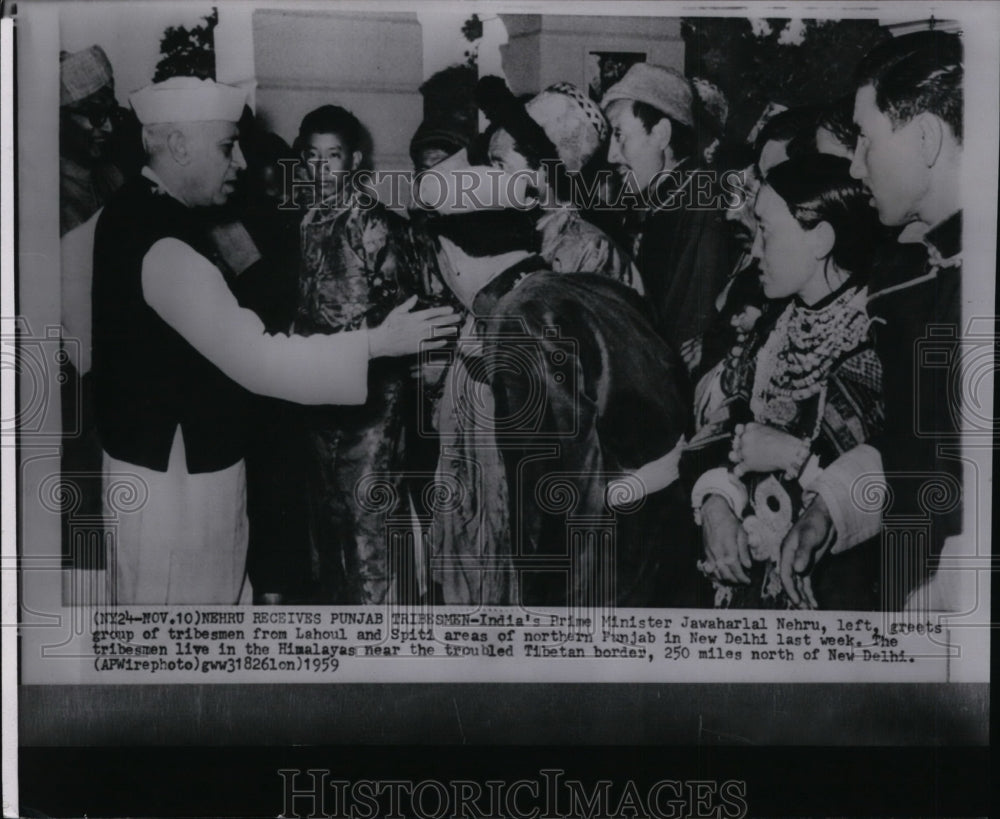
<point x="329" y="160"/>
<point x="633" y="149"/>
<point x="889" y="161"/>
<point x="503" y="154"/>
<point x="216" y="160"/>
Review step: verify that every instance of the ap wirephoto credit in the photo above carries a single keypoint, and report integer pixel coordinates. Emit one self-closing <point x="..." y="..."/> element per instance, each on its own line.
<point x="383" y="378"/>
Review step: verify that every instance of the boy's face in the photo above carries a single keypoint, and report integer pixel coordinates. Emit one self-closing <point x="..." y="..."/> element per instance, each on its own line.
<point x="327" y="160"/>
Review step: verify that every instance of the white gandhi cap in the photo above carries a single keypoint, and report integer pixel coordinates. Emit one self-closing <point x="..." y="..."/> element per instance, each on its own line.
<point x="188" y="99"/>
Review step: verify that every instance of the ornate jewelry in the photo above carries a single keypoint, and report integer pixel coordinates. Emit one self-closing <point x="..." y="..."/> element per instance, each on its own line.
<point x="800" y="351"/>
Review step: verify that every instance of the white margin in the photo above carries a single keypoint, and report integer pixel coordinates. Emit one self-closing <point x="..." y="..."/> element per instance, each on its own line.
<point x="8" y="454"/>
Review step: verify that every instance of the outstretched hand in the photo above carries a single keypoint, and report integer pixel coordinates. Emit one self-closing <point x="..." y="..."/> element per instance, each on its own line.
<point x="404" y="332"/>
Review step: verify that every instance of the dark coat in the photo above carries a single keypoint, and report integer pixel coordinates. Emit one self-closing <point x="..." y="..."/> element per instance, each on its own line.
<point x="585" y="389"/>
<point x="686" y="254"/>
<point x="916" y="310"/>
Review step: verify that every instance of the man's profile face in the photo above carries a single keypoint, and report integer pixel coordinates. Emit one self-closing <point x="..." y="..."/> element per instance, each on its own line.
<point x="633" y="149"/>
<point x="889" y="161"/>
<point x="503" y="154"/>
<point x="216" y="160"/>
<point x="87" y="127"/>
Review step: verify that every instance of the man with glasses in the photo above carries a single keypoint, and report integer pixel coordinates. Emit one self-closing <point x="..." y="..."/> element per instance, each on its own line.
<point x="87" y="176"/>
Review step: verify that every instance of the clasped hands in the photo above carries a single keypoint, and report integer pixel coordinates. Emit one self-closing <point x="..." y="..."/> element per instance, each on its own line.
<point x="727" y="553"/>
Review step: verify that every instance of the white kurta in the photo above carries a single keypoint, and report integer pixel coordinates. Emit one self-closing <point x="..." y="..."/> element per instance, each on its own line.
<point x="188" y="542"/>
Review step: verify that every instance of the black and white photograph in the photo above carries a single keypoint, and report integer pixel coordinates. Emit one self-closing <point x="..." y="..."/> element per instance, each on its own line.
<point x="398" y="377"/>
<point x="605" y="68"/>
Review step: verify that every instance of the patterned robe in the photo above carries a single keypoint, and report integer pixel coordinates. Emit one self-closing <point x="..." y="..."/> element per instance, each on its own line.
<point x="571" y="244"/>
<point x="472" y="519"/>
<point x="358" y="263"/>
<point x="807" y="371"/>
<point x="558" y="386"/>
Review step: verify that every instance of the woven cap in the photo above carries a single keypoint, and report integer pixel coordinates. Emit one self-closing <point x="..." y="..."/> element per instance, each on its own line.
<point x="83" y="73"/>
<point x="665" y="89"/>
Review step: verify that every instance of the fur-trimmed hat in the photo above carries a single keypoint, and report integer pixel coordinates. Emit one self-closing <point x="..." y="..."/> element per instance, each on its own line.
<point x="574" y="122"/>
<point x="573" y="126"/>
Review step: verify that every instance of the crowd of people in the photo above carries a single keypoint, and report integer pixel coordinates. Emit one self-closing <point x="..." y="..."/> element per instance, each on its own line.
<point x="654" y="387"/>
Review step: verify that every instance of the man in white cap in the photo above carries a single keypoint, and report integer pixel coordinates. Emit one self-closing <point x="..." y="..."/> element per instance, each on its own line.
<point x="175" y="357"/>
<point x="683" y="248"/>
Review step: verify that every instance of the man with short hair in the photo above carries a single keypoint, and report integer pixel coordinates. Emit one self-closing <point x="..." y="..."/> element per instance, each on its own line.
<point x="684" y="250"/>
<point x="560" y="384"/>
<point x="175" y="357"/>
<point x="908" y="108"/>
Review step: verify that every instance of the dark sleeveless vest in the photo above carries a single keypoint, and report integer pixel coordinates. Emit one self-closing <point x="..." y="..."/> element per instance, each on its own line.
<point x="148" y="378"/>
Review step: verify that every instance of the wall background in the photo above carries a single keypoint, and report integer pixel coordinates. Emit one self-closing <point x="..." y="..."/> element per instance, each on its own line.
<point x="370" y="62"/>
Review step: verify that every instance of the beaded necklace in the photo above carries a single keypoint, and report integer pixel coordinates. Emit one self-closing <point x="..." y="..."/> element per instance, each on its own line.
<point x="795" y="360"/>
